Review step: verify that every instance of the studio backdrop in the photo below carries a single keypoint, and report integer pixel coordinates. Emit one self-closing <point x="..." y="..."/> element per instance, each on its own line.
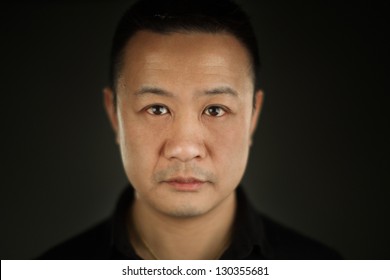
<point x="319" y="160"/>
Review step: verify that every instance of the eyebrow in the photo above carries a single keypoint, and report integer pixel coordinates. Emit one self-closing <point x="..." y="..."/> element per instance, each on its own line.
<point x="222" y="90"/>
<point x="161" y="92"/>
<point x="153" y="90"/>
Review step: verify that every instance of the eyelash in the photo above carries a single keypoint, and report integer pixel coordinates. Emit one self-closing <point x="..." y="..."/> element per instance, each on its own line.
<point x="152" y="109"/>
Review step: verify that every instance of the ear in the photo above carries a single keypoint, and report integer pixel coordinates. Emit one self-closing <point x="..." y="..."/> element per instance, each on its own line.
<point x="108" y="96"/>
<point x="259" y="96"/>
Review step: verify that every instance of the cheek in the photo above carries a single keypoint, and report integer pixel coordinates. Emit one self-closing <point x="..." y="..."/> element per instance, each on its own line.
<point x="230" y="144"/>
<point x="140" y="143"/>
<point x="229" y="156"/>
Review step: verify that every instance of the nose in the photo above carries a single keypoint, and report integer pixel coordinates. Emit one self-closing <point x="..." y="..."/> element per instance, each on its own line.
<point x="185" y="140"/>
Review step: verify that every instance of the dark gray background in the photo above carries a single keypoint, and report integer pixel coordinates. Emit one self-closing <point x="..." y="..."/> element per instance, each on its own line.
<point x="320" y="159"/>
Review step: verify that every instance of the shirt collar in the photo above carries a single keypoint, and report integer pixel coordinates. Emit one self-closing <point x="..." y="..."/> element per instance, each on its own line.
<point x="122" y="248"/>
<point x="248" y="241"/>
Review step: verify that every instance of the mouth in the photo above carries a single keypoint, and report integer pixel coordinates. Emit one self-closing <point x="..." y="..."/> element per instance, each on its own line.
<point x="189" y="184"/>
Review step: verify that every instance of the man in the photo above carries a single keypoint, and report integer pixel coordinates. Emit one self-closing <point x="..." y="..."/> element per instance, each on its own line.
<point x="183" y="101"/>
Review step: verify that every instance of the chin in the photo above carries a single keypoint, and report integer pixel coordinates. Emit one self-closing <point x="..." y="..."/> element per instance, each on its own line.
<point x="184" y="211"/>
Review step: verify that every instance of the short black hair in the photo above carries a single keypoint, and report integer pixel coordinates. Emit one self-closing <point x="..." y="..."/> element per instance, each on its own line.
<point x="168" y="16"/>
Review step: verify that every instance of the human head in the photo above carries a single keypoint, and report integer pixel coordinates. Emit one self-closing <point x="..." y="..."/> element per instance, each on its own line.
<point x="168" y="16"/>
<point x="183" y="114"/>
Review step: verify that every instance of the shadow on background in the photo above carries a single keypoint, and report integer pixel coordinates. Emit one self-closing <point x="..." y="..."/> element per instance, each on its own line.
<point x="319" y="159"/>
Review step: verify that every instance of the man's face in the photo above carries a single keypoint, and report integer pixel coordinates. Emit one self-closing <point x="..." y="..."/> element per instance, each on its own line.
<point x="184" y="119"/>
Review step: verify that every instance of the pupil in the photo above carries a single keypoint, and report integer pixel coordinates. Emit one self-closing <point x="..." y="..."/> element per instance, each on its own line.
<point x="214" y="111"/>
<point x="157" y="110"/>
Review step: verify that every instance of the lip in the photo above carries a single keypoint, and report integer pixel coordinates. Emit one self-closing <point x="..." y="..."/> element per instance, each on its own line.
<point x="185" y="183"/>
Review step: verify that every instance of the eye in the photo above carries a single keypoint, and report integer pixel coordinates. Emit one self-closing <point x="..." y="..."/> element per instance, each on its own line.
<point x="215" y="111"/>
<point x="157" y="110"/>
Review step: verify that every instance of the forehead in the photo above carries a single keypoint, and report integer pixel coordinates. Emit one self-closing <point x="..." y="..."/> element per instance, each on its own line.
<point x="189" y="55"/>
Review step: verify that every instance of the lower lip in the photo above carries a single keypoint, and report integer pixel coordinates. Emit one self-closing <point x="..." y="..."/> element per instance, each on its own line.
<point x="186" y="187"/>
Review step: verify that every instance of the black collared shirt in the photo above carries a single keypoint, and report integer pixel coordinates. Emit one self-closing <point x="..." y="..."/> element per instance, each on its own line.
<point x="255" y="236"/>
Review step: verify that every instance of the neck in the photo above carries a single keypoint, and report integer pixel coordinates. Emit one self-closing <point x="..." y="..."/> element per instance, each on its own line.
<point x="155" y="235"/>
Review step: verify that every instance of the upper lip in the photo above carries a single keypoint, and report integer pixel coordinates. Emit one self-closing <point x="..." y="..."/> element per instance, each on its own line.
<point x="185" y="180"/>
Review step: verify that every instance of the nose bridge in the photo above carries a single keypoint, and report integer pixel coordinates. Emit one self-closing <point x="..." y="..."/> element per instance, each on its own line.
<point x="185" y="139"/>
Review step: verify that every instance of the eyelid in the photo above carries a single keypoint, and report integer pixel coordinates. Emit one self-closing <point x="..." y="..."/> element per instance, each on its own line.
<point x="224" y="108"/>
<point x="147" y="108"/>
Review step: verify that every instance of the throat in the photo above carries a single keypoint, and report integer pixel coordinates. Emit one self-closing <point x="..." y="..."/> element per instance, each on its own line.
<point x="186" y="249"/>
<point x="198" y="238"/>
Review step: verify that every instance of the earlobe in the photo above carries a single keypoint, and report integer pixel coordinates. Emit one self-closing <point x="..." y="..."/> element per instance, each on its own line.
<point x="108" y="96"/>
<point x="259" y="96"/>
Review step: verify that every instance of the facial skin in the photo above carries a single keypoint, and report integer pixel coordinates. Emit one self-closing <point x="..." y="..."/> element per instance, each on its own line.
<point x="184" y="120"/>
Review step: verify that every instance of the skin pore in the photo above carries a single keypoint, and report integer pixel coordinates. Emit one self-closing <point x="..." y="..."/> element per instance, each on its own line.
<point x="184" y="119"/>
